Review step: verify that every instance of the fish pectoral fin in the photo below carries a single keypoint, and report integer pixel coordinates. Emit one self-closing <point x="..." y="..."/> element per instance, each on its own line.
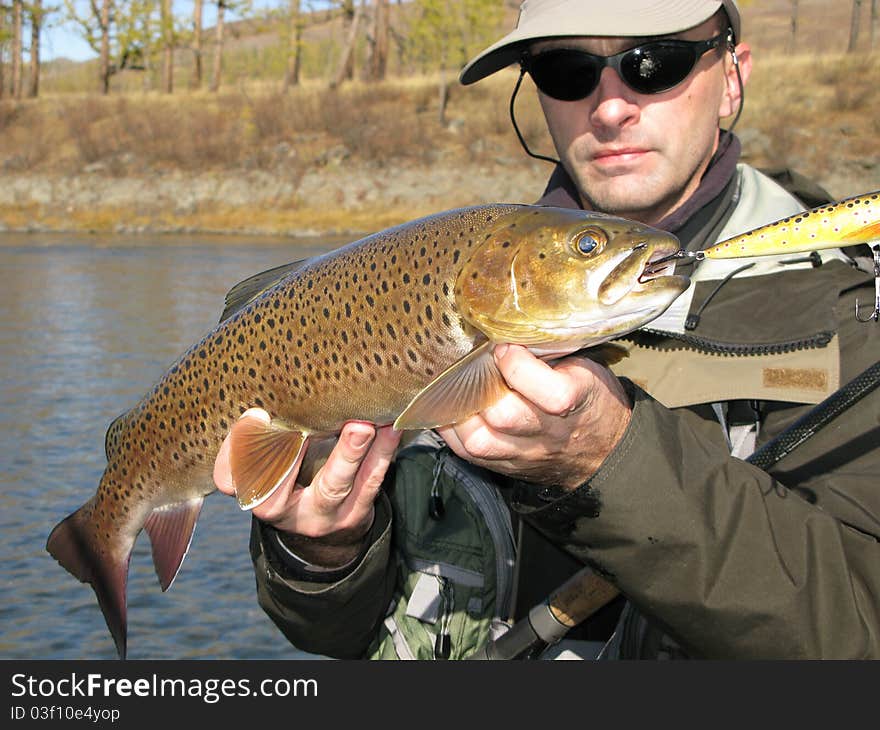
<point x="171" y="529"/>
<point x="865" y="234"/>
<point x="470" y="385"/>
<point x="262" y="453"/>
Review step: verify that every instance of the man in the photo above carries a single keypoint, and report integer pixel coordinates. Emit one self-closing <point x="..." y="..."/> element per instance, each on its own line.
<point x="638" y="473"/>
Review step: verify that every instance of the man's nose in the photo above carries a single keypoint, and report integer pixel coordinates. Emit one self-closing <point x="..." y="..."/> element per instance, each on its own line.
<point x="616" y="105"/>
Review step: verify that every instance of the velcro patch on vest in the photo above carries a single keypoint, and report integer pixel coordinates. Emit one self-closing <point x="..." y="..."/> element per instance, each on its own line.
<point x="801" y="378"/>
<point x="685" y="377"/>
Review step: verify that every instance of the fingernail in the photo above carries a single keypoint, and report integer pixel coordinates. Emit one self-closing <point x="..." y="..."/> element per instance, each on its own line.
<point x="359" y="440"/>
<point x="501" y="350"/>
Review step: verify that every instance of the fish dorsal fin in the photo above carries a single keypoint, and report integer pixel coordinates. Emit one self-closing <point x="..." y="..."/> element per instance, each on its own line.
<point x="470" y="385"/>
<point x="262" y="453"/>
<point x="246" y="291"/>
<point x="171" y="529"/>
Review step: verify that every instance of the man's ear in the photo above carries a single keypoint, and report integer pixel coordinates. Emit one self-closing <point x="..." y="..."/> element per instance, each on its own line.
<point x="740" y="56"/>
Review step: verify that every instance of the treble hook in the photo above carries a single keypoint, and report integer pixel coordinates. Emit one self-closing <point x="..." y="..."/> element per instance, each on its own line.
<point x="875" y="315"/>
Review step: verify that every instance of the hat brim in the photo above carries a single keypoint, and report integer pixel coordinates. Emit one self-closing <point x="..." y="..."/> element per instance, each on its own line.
<point x="652" y="19"/>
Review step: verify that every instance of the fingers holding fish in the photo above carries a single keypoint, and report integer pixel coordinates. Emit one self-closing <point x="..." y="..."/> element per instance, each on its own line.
<point x="335" y="480"/>
<point x="355" y="468"/>
<point x="556" y="429"/>
<point x="551" y="389"/>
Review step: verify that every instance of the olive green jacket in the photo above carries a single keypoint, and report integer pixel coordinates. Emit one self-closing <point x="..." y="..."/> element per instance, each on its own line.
<point x="717" y="558"/>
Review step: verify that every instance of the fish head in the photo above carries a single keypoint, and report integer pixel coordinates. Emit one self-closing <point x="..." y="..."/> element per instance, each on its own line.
<point x="557" y="279"/>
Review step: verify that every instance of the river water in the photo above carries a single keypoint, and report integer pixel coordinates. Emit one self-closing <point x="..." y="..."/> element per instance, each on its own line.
<point x="87" y="325"/>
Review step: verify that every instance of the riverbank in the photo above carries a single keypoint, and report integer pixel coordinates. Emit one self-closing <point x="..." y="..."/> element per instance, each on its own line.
<point x="335" y="200"/>
<point x="339" y="201"/>
<point x="255" y="161"/>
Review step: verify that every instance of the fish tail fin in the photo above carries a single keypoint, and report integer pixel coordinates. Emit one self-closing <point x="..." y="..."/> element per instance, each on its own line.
<point x="76" y="545"/>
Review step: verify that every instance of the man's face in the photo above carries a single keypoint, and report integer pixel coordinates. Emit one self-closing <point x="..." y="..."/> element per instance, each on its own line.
<point x="642" y="155"/>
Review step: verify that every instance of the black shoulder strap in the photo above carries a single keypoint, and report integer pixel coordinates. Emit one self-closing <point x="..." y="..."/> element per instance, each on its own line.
<point x="817" y="418"/>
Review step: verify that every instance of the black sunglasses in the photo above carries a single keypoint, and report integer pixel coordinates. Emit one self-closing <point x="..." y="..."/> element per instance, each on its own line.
<point x="570" y="74"/>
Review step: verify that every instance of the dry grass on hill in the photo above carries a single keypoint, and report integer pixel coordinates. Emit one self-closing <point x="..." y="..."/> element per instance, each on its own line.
<point x="815" y="113"/>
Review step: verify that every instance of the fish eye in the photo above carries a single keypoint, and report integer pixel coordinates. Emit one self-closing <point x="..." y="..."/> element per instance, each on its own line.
<point x="590" y="240"/>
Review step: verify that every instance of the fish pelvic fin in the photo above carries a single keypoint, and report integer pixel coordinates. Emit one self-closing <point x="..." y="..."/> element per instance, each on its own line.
<point x="262" y="454"/>
<point x="468" y="386"/>
<point x="78" y="547"/>
<point x="171" y="529"/>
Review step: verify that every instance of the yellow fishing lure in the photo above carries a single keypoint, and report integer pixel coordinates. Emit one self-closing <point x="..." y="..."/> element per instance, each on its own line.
<point x="853" y="220"/>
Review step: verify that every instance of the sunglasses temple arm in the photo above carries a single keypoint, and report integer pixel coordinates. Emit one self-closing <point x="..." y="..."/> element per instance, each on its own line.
<point x="522" y="141"/>
<point x="739" y="79"/>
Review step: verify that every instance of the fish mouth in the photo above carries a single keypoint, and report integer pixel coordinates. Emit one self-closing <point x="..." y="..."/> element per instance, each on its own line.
<point x="660" y="264"/>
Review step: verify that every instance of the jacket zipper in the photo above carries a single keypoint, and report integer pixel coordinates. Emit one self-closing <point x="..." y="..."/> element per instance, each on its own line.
<point x="820" y="339"/>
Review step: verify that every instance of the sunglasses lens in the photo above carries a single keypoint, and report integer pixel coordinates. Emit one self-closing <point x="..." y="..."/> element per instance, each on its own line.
<point x="656" y="67"/>
<point x="565" y="74"/>
<point x="570" y="74"/>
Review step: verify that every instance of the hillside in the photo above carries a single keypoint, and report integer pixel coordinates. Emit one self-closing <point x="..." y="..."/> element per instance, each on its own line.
<point x="253" y="160"/>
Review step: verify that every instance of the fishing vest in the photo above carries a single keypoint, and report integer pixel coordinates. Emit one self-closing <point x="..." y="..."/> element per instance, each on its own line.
<point x="455" y="556"/>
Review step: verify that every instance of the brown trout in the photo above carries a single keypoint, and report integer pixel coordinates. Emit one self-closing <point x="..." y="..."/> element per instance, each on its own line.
<point x="850" y="221"/>
<point x="395" y="328"/>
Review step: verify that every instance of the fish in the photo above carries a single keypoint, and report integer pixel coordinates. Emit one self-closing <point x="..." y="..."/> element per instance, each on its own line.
<point x="850" y="221"/>
<point x="397" y="327"/>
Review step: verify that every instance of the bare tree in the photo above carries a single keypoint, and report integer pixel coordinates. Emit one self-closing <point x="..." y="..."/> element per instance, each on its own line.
<point x="218" y="46"/>
<point x="345" y="70"/>
<point x="854" y="26"/>
<point x="36" y="12"/>
<point x="792" y="40"/>
<point x="3" y="10"/>
<point x="104" y="57"/>
<point x="377" y="64"/>
<point x="166" y="20"/>
<point x="196" y="82"/>
<point x="17" y="24"/>
<point x="294" y="45"/>
<point x="875" y="19"/>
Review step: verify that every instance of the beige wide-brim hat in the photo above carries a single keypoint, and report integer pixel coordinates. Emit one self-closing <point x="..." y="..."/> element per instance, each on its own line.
<point x="558" y="18"/>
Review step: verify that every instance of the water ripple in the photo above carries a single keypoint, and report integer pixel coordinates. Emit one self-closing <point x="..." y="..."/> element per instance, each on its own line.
<point x="85" y="330"/>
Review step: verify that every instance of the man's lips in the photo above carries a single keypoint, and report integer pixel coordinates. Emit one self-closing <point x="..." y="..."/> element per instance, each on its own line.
<point x="623" y="154"/>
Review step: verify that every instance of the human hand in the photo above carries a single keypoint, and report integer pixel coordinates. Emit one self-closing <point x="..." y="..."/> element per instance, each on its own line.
<point x="325" y="522"/>
<point x="555" y="427"/>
